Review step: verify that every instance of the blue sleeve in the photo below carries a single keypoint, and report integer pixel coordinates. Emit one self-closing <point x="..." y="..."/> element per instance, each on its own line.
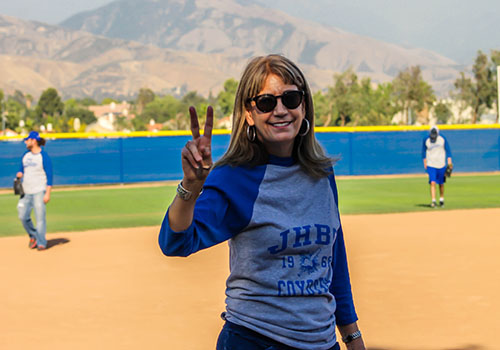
<point x="47" y="167"/>
<point x="223" y="209"/>
<point x="424" y="149"/>
<point x="447" y="147"/>
<point x="341" y="283"/>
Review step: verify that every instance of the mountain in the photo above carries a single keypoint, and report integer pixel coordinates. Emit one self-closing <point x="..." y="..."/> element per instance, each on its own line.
<point x="455" y="29"/>
<point x="242" y="29"/>
<point x="35" y="56"/>
<point x="173" y="46"/>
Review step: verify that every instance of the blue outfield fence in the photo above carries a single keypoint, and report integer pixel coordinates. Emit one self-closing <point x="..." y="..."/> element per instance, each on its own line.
<point x="157" y="158"/>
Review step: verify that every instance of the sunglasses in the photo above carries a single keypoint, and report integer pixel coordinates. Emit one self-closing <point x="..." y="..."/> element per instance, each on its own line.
<point x="266" y="103"/>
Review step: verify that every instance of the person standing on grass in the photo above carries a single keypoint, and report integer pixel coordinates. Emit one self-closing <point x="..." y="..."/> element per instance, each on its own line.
<point x="436" y="154"/>
<point x="273" y="196"/>
<point x="36" y="172"/>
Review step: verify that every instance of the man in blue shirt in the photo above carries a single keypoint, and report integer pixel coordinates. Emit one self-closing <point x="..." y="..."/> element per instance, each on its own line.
<point x="36" y="172"/>
<point x="436" y="153"/>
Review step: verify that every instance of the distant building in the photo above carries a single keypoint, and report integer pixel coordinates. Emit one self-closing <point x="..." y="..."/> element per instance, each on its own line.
<point x="154" y="126"/>
<point x="460" y="114"/>
<point x="8" y="132"/>
<point x="107" y="114"/>
<point x="224" y="122"/>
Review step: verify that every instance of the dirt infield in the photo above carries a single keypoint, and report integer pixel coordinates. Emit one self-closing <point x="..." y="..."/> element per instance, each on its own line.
<point x="422" y="281"/>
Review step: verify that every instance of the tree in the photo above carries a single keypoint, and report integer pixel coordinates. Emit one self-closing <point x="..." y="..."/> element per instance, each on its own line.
<point x="466" y="92"/>
<point x="29" y="101"/>
<point x="323" y="109"/>
<point x="87" y="101"/>
<point x="442" y="112"/>
<point x="145" y="96"/>
<point x="86" y="117"/>
<point x="15" y="109"/>
<point x="478" y="93"/>
<point x="495" y="62"/>
<point x="353" y="102"/>
<point x="375" y="106"/>
<point x="225" y="99"/>
<point x="484" y="82"/>
<point x="192" y="99"/>
<point x="343" y="95"/>
<point x="162" y="109"/>
<point x="182" y="120"/>
<point x="138" y="124"/>
<point x="412" y="92"/>
<point x="72" y="110"/>
<point x="15" y="112"/>
<point x="19" y="97"/>
<point x="1" y="105"/>
<point x="171" y="112"/>
<point x="108" y="100"/>
<point x="50" y="104"/>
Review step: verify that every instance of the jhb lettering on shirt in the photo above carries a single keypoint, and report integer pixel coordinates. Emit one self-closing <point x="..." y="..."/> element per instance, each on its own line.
<point x="303" y="237"/>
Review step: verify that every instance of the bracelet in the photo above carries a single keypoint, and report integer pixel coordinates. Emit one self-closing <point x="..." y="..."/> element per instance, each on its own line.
<point x="350" y="337"/>
<point x="185" y="194"/>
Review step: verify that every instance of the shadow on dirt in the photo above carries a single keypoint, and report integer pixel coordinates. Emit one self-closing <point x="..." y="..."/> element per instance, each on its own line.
<point x="56" y="241"/>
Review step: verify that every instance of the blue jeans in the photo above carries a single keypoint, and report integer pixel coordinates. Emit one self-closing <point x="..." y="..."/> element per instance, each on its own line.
<point x="236" y="337"/>
<point x="24" y="207"/>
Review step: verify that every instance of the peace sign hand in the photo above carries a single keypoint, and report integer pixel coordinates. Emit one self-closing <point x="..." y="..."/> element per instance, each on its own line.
<point x="197" y="153"/>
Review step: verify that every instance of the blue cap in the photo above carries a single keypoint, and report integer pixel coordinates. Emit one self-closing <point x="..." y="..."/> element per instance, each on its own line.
<point x="33" y="135"/>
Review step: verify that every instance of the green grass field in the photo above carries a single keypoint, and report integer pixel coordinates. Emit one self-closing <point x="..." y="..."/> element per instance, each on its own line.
<point x="94" y="207"/>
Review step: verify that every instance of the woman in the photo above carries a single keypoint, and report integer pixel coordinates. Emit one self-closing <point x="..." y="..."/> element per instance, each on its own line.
<point x="273" y="196"/>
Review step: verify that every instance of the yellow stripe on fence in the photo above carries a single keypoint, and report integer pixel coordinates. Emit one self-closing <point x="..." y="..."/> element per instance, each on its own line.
<point x="84" y="135"/>
<point x="404" y="128"/>
<point x="117" y="134"/>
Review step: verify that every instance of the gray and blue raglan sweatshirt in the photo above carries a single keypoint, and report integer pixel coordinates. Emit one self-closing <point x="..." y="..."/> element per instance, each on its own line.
<point x="37" y="171"/>
<point x="289" y="278"/>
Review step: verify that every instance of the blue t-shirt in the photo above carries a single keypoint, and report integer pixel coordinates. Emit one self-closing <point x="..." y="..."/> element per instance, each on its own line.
<point x="289" y="278"/>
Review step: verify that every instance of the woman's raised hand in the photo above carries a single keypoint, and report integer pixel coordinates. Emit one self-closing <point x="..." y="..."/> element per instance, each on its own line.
<point x="197" y="153"/>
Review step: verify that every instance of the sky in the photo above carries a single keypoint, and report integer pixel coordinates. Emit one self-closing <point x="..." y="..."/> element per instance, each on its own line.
<point x="456" y="29"/>
<point x="48" y="11"/>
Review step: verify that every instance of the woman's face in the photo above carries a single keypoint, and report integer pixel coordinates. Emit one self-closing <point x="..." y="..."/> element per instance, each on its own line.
<point x="278" y="128"/>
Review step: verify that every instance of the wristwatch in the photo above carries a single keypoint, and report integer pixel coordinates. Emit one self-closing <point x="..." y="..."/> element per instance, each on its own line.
<point x="183" y="193"/>
<point x="350" y="337"/>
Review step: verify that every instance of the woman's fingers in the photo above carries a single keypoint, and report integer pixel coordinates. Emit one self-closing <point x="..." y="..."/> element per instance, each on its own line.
<point x="191" y="154"/>
<point x="192" y="168"/>
<point x="188" y="165"/>
<point x="195" y="126"/>
<point x="198" y="152"/>
<point x="209" y="123"/>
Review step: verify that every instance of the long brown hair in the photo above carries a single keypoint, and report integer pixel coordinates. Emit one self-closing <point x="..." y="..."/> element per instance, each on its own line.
<point x="241" y="151"/>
